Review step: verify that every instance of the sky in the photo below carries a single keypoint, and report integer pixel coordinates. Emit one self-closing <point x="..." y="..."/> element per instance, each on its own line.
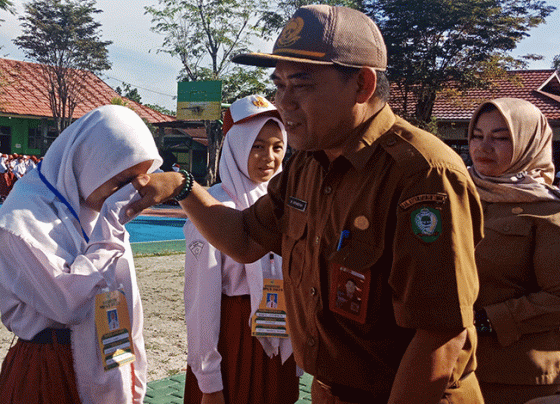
<point x="136" y="61"/>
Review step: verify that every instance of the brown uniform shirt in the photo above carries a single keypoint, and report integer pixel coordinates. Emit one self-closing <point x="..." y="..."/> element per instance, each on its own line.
<point x="414" y="219"/>
<point x="519" y="266"/>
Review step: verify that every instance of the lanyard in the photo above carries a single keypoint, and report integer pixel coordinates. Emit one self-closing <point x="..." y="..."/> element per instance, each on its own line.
<point x="62" y="199"/>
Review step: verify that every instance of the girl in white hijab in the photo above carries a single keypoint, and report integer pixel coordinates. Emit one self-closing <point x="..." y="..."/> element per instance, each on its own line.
<point x="63" y="241"/>
<point x="225" y="363"/>
<point x="518" y="307"/>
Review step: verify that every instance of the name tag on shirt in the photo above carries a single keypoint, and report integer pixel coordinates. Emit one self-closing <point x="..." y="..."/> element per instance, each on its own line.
<point x="270" y="318"/>
<point x="113" y="329"/>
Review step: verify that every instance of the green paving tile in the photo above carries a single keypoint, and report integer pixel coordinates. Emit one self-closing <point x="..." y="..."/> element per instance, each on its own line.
<point x="171" y="390"/>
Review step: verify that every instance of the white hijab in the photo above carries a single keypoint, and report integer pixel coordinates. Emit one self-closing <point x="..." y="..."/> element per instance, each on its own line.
<point x="234" y="175"/>
<point x="92" y="150"/>
<point x="531" y="171"/>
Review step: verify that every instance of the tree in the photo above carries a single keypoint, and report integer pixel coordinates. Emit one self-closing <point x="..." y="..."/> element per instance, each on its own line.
<point x="556" y="62"/>
<point x="274" y="19"/>
<point x="6" y="5"/>
<point x="204" y="34"/>
<point x="129" y="92"/>
<point x="432" y="43"/>
<point x="64" y="38"/>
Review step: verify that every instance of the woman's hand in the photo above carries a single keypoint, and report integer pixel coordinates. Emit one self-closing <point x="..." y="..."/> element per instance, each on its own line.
<point x="213" y="398"/>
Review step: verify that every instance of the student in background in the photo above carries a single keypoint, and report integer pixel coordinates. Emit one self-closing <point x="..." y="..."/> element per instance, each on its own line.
<point x="225" y="363"/>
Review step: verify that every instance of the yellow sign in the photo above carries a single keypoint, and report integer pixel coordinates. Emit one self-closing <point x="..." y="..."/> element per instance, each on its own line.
<point x="199" y="100"/>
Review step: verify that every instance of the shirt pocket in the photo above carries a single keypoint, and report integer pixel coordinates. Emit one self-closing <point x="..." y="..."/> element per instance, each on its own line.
<point x="505" y="249"/>
<point x="295" y="248"/>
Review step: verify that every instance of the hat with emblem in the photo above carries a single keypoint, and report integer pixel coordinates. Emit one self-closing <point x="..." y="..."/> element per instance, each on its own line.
<point x="246" y="108"/>
<point x="322" y="34"/>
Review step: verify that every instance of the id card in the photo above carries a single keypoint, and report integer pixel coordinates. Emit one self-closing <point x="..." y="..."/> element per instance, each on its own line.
<point x="113" y="329"/>
<point x="349" y="292"/>
<point x="270" y="318"/>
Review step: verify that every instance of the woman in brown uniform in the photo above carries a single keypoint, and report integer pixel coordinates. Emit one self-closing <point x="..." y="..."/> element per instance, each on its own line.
<point x="518" y="308"/>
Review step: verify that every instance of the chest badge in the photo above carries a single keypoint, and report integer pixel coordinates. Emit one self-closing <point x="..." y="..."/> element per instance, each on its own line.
<point x="361" y="223"/>
<point x="196" y="248"/>
<point x="426" y="224"/>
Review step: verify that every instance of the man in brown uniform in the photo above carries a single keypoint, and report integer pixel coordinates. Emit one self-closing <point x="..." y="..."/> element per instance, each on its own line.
<point x="368" y="198"/>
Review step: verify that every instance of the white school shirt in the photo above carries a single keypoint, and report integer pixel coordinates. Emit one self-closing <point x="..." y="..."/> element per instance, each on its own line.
<point x="208" y="275"/>
<point x="39" y="290"/>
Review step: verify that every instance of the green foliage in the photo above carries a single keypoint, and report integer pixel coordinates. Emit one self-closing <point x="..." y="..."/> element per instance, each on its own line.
<point x="275" y="18"/>
<point x="129" y="92"/>
<point x="64" y="34"/>
<point x="64" y="38"/>
<point x="161" y="109"/>
<point x="6" y="5"/>
<point x="556" y="62"/>
<point x="434" y="42"/>
<point x="205" y="34"/>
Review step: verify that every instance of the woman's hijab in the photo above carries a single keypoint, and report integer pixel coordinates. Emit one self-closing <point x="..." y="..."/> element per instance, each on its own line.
<point x="234" y="172"/>
<point x="531" y="171"/>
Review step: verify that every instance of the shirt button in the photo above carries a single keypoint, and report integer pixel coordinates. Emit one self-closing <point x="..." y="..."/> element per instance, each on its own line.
<point x="317" y="240"/>
<point x="310" y="341"/>
<point x="391" y="141"/>
<point x="313" y="291"/>
<point x="328" y="189"/>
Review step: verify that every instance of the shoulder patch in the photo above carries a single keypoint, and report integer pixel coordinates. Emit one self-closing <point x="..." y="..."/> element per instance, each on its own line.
<point x="196" y="247"/>
<point x="426" y="223"/>
<point x="438" y="199"/>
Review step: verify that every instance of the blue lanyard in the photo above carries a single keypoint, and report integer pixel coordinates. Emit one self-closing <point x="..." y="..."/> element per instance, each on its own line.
<point x="62" y="199"/>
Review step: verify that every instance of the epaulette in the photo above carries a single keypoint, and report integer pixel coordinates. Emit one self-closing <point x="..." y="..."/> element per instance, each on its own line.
<point x="400" y="149"/>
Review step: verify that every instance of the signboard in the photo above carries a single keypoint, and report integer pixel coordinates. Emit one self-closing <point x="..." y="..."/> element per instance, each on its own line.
<point x="199" y="100"/>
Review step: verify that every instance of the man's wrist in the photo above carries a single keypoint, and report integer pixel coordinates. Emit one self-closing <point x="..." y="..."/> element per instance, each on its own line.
<point x="482" y="322"/>
<point x="187" y="185"/>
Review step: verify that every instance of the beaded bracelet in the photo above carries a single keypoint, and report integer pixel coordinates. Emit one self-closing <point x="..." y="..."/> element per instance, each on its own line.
<point x="187" y="188"/>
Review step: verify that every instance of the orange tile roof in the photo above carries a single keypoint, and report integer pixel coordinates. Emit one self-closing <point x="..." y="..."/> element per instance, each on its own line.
<point x="22" y="92"/>
<point x="540" y="87"/>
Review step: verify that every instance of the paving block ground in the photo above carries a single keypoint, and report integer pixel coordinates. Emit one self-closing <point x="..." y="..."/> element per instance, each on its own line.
<point x="171" y="390"/>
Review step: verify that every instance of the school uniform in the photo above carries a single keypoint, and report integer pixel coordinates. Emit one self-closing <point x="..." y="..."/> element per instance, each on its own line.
<point x="58" y="254"/>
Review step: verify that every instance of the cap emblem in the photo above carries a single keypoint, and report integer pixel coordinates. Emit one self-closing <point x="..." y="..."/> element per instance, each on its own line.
<point x="290" y="33"/>
<point x="260" y="102"/>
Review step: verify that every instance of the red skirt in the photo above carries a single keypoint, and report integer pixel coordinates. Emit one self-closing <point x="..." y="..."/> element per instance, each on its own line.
<point x="34" y="373"/>
<point x="248" y="374"/>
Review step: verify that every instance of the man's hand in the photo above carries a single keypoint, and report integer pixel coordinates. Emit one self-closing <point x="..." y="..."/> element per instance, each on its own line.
<point x="155" y="188"/>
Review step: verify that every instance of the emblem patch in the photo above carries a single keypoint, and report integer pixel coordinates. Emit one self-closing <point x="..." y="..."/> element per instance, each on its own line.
<point x="426" y="223"/>
<point x="260" y="102"/>
<point x="297" y="204"/>
<point x="196" y="247"/>
<point x="290" y="33"/>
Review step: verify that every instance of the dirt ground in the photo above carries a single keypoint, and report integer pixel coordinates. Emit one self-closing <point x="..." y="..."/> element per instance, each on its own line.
<point x="160" y="280"/>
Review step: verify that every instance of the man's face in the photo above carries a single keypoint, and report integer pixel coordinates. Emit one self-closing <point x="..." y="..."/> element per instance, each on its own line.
<point x="317" y="105"/>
